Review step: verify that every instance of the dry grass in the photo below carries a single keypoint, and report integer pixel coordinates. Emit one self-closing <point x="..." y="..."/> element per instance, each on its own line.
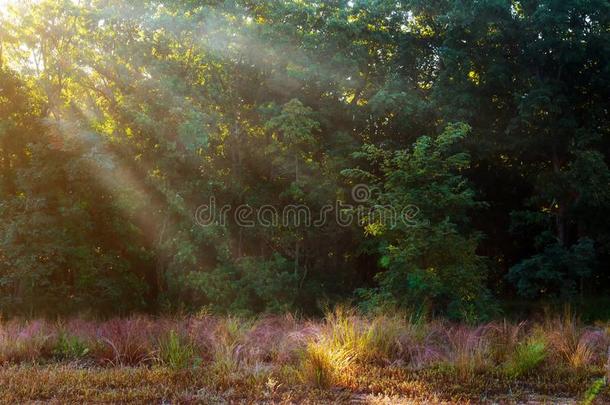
<point x="576" y="345"/>
<point x="284" y="358"/>
<point x="27" y="341"/>
<point x="323" y="366"/>
<point x="504" y="338"/>
<point x="468" y="349"/>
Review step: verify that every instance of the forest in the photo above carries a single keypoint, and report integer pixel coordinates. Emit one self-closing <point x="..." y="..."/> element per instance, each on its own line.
<point x="339" y="161"/>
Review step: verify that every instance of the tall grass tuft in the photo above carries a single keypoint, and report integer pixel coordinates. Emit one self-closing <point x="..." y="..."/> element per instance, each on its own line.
<point x="421" y="344"/>
<point x="380" y="340"/>
<point x="468" y="349"/>
<point x="367" y="339"/>
<point x="526" y="357"/>
<point x="175" y="351"/>
<point x="343" y="330"/>
<point x="324" y="366"/>
<point x="29" y="341"/>
<point x="332" y="351"/>
<point x="126" y="341"/>
<point x="276" y="339"/>
<point x="227" y="347"/>
<point x="504" y="338"/>
<point x="576" y="346"/>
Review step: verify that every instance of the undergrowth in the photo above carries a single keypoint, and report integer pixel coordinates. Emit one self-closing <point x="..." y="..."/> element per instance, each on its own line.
<point x="345" y="349"/>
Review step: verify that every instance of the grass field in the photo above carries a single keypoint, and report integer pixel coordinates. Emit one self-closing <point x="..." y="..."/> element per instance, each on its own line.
<point x="344" y="358"/>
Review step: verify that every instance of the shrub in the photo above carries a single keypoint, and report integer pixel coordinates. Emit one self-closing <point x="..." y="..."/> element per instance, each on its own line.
<point x="70" y="347"/>
<point x="526" y="357"/>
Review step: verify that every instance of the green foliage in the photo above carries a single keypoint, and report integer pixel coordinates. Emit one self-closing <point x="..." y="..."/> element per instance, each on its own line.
<point x="70" y="347"/>
<point x="557" y="269"/>
<point x="59" y="249"/>
<point x="345" y="339"/>
<point x="175" y="352"/>
<point x="527" y="356"/>
<point x="593" y="391"/>
<point x="324" y="367"/>
<point x="294" y="124"/>
<point x="118" y="120"/>
<point x="249" y="286"/>
<point x="427" y="249"/>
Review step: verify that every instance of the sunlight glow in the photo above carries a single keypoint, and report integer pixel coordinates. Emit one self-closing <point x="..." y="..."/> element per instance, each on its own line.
<point x="5" y="5"/>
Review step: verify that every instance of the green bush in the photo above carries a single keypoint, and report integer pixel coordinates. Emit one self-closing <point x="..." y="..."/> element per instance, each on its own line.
<point x="70" y="347"/>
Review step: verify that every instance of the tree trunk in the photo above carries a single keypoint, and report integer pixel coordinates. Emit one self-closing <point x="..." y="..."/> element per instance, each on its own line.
<point x="296" y="168"/>
<point x="296" y="256"/>
<point x="560" y="224"/>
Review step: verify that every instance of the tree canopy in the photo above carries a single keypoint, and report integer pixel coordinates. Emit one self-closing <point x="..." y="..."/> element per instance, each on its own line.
<point x="486" y="120"/>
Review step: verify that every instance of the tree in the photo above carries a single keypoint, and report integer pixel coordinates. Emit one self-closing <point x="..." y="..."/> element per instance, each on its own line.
<point x="428" y="254"/>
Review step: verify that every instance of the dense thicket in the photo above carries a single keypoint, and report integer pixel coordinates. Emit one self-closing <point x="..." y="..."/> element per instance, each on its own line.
<point x="487" y="120"/>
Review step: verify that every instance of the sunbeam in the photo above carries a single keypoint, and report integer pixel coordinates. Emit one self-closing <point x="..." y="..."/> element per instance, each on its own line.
<point x="304" y="201"/>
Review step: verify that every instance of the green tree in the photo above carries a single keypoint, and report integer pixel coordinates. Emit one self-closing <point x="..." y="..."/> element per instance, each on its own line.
<point x="428" y="254"/>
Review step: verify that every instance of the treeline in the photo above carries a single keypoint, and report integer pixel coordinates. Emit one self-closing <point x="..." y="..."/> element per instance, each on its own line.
<point x="487" y="119"/>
